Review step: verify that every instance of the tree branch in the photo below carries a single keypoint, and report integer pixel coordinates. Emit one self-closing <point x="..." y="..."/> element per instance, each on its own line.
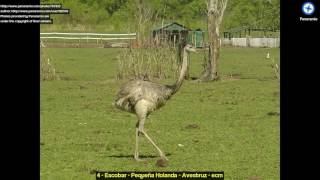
<point x="221" y="10"/>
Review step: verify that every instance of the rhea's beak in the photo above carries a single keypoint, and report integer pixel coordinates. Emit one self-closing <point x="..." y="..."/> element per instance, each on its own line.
<point x="193" y="49"/>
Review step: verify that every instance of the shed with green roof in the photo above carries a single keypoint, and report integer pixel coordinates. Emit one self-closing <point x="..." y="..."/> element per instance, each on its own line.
<point x="174" y="33"/>
<point x="171" y="33"/>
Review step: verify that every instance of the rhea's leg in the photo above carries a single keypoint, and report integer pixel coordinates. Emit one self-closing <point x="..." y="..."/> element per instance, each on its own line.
<point x="141" y="130"/>
<point x="136" y="153"/>
<point x="162" y="155"/>
<point x="141" y="109"/>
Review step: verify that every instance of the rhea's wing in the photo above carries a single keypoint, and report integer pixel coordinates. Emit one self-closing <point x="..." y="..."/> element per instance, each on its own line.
<point x="129" y="89"/>
<point x="128" y="95"/>
<point x="133" y="91"/>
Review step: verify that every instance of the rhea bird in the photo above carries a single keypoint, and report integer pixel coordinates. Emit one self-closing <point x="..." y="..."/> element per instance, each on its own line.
<point x="143" y="97"/>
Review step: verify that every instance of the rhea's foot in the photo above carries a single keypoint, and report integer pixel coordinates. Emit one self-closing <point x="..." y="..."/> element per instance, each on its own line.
<point x="162" y="156"/>
<point x="138" y="159"/>
<point x="162" y="162"/>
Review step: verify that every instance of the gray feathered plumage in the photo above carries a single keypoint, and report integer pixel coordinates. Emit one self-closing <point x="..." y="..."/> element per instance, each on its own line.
<point x="143" y="97"/>
<point x="136" y="90"/>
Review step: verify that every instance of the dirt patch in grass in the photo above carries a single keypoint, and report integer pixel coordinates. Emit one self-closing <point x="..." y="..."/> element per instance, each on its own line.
<point x="98" y="131"/>
<point x="276" y="93"/>
<point x="162" y="163"/>
<point x="192" y="126"/>
<point x="273" y="113"/>
<point x="229" y="103"/>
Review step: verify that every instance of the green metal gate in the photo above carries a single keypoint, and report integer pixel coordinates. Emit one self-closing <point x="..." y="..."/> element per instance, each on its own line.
<point x="196" y="38"/>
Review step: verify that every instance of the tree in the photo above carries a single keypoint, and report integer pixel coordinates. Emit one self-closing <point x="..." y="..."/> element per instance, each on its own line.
<point x="216" y="9"/>
<point x="143" y="15"/>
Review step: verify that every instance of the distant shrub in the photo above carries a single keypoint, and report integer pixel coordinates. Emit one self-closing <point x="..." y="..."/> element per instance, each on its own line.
<point x="276" y="69"/>
<point x="148" y="63"/>
<point x="47" y="70"/>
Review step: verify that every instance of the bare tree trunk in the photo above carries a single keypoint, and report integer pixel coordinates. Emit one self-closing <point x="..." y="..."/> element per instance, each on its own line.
<point x="215" y="13"/>
<point x="143" y="16"/>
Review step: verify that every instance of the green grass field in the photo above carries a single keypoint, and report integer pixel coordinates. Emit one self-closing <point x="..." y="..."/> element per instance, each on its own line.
<point x="230" y="125"/>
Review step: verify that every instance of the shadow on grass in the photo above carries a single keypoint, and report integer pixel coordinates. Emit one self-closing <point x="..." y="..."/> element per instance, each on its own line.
<point x="141" y="156"/>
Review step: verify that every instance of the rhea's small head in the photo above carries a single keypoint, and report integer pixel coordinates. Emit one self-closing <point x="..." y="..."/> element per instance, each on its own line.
<point x="189" y="47"/>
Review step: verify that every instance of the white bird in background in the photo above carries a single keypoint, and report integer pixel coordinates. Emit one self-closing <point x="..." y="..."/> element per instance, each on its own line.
<point x="268" y="55"/>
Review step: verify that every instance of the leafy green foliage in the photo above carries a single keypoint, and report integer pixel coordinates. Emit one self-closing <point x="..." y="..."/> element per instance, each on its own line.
<point x="120" y="15"/>
<point x="253" y="13"/>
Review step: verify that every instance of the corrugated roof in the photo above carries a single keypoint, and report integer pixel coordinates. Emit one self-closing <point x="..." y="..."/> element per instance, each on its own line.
<point x="172" y="26"/>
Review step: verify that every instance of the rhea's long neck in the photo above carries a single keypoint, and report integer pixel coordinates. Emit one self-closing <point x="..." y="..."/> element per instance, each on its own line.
<point x="183" y="72"/>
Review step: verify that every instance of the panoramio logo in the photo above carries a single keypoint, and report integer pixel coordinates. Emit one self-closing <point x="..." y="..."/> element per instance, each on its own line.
<point x="308" y="8"/>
